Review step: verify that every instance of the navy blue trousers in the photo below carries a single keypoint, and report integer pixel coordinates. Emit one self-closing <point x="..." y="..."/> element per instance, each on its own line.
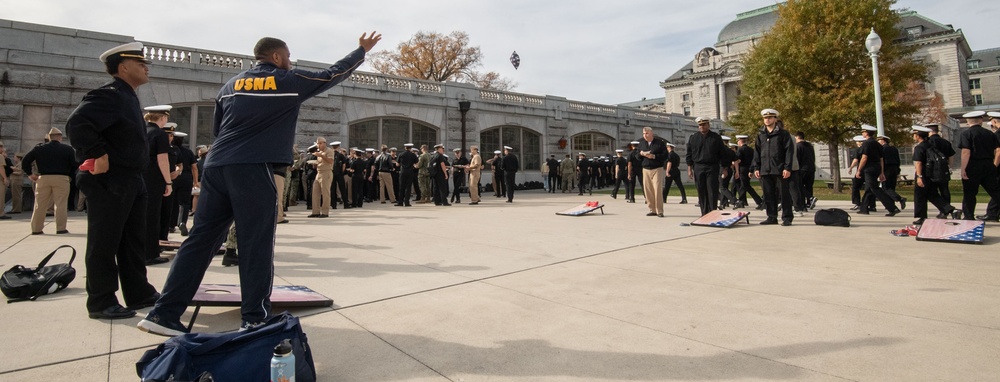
<point x="244" y="194"/>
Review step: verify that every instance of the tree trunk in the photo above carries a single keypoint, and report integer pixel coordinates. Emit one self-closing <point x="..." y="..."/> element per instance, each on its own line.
<point x="834" y="152"/>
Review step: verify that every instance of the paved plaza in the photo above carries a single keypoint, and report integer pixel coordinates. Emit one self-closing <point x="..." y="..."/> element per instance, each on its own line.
<point x="514" y="292"/>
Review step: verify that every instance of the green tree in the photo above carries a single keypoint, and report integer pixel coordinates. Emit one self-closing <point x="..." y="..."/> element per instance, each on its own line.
<point x="812" y="66"/>
<point x="436" y="57"/>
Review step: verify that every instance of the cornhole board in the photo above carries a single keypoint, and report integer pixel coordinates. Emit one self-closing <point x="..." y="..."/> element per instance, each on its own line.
<point x="173" y="246"/>
<point x="282" y="296"/>
<point x="582" y="209"/>
<point x="722" y="219"/>
<point x="955" y="231"/>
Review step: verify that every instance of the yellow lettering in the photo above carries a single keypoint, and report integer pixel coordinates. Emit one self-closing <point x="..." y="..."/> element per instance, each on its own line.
<point x="239" y="85"/>
<point x="258" y="83"/>
<point x="269" y="83"/>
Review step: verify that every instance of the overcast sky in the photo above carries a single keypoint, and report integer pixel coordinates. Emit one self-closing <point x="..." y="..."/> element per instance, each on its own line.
<point x="599" y="51"/>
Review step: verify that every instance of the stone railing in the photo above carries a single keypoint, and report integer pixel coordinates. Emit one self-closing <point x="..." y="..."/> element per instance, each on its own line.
<point x="395" y="83"/>
<point x="592" y="108"/>
<point x="508" y="97"/>
<point x="651" y="115"/>
<point x="167" y="53"/>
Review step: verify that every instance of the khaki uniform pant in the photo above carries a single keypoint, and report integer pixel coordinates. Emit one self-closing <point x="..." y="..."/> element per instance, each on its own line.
<point x="279" y="183"/>
<point x="321" y="189"/>
<point x="652" y="188"/>
<point x="385" y="184"/>
<point x="474" y="177"/>
<point x="15" y="193"/>
<point x="50" y="191"/>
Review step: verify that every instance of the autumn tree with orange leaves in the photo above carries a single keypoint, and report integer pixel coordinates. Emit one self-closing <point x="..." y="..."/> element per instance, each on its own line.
<point x="436" y="57"/>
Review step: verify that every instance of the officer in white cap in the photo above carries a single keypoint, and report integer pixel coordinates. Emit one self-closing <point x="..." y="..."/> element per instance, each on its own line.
<point x="772" y="164"/>
<point x="993" y="208"/>
<point x="510" y="167"/>
<point x="744" y="158"/>
<point x="857" y="183"/>
<point x="980" y="158"/>
<point x="634" y="171"/>
<point x="707" y="156"/>
<point x="439" y="173"/>
<point x="407" y="174"/>
<point x="892" y="169"/>
<point x="458" y="167"/>
<point x="340" y="191"/>
<point x="107" y="128"/>
<point x="497" y="163"/>
<point x="946" y="148"/>
<point x="673" y="174"/>
<point x="871" y="167"/>
<point x="925" y="158"/>
<point x="584" y="169"/>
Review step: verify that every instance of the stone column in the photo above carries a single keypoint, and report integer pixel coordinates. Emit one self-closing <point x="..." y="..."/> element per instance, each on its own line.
<point x="722" y="101"/>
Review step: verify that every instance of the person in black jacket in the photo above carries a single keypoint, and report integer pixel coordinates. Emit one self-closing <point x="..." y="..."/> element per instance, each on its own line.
<point x="653" y="151"/>
<point x="407" y="174"/>
<point x="980" y="160"/>
<point x="510" y="167"/>
<point x="807" y="168"/>
<point x="891" y="160"/>
<point x="871" y="167"/>
<point x="439" y="174"/>
<point x="458" y="167"/>
<point x="620" y="172"/>
<point x="772" y="164"/>
<point x="673" y="173"/>
<point x="56" y="164"/>
<point x="706" y="156"/>
<point x="634" y="170"/>
<point x="924" y="189"/>
<point x="744" y="155"/>
<point x="583" y="169"/>
<point x="108" y="128"/>
<point x="946" y="148"/>
<point x="553" y="179"/>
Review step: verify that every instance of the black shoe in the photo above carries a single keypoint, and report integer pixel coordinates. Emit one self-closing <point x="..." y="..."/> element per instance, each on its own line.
<point x="313" y="216"/>
<point x="651" y="214"/>
<point x="902" y="203"/>
<point x="449" y="204"/>
<point x="398" y="204"/>
<point x="510" y="201"/>
<point x="153" y="324"/>
<point x="157" y="260"/>
<point x="956" y="214"/>
<point x="918" y="221"/>
<point x="786" y="223"/>
<point x="407" y="205"/>
<point x="473" y="203"/>
<point x="893" y="213"/>
<point x="760" y="207"/>
<point x="37" y="233"/>
<point x="629" y="201"/>
<point x="769" y="221"/>
<point x="324" y="215"/>
<point x="231" y="258"/>
<point x="863" y="213"/>
<point x="113" y="312"/>
<point x="854" y="207"/>
<point x="613" y="196"/>
<point x="62" y="232"/>
<point x="283" y="221"/>
<point x="987" y="218"/>
<point x="659" y="215"/>
<point x="172" y="230"/>
<point x="184" y="230"/>
<point x="148" y="302"/>
<point x="812" y="203"/>
<point x="683" y="201"/>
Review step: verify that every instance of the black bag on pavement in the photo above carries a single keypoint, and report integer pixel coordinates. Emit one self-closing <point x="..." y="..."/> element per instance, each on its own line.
<point x="20" y="283"/>
<point x="835" y="217"/>
<point x="232" y="356"/>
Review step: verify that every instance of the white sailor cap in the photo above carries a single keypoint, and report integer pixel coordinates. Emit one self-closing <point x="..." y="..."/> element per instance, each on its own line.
<point x="868" y="127"/>
<point x="393" y="149"/>
<point x="414" y="149"/>
<point x="180" y="134"/>
<point x="508" y="148"/>
<point x="699" y="120"/>
<point x="858" y="138"/>
<point x="768" y="113"/>
<point x="162" y="109"/>
<point x="358" y="150"/>
<point x="439" y="146"/>
<point x="456" y="149"/>
<point x="335" y="143"/>
<point x="407" y="145"/>
<point x="725" y="138"/>
<point x="993" y="114"/>
<point x="742" y="136"/>
<point x="582" y="155"/>
<point x="920" y="129"/>
<point x="130" y="50"/>
<point x="974" y="114"/>
<point x="496" y="151"/>
<point x="885" y="137"/>
<point x="732" y="145"/>
<point x="170" y="127"/>
<point x="634" y="143"/>
<point x="369" y="150"/>
<point x="619" y="151"/>
<point x="670" y="144"/>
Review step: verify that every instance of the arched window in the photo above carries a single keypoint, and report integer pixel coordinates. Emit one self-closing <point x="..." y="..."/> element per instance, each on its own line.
<point x="393" y="132"/>
<point x="526" y="143"/>
<point x="593" y="144"/>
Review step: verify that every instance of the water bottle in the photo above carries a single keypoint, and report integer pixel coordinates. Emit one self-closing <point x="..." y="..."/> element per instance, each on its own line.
<point x="283" y="363"/>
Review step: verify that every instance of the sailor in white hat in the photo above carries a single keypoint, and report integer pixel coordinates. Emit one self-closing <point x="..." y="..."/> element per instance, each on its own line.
<point x="707" y="158"/>
<point x="439" y="175"/>
<point x="744" y="158"/>
<point x="497" y="180"/>
<point x="510" y="167"/>
<point x="774" y="167"/>
<point x="926" y="188"/>
<point x="871" y="168"/>
<point x="978" y="148"/>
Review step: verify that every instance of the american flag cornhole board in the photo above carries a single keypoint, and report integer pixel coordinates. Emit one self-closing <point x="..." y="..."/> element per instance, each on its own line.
<point x="173" y="246"/>
<point x="282" y="296"/>
<point x="582" y="209"/>
<point x="722" y="219"/>
<point x="955" y="231"/>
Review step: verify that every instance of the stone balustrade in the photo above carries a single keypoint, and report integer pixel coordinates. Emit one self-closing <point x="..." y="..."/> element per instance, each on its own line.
<point x="592" y="108"/>
<point x="173" y="54"/>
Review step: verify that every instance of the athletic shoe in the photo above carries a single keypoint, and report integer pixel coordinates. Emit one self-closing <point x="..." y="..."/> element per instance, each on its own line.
<point x="113" y="312"/>
<point x="153" y="324"/>
<point x="247" y="325"/>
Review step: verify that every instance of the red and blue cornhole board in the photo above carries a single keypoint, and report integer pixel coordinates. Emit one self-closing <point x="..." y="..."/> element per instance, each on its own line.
<point x="956" y="231"/>
<point x="282" y="296"/>
<point x="722" y="219"/>
<point x="583" y="209"/>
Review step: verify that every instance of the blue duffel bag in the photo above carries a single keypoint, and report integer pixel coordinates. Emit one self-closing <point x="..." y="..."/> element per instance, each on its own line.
<point x="234" y="356"/>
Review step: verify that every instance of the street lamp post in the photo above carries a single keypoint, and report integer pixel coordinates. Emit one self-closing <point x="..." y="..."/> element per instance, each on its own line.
<point x="873" y="43"/>
<point x="463" y="107"/>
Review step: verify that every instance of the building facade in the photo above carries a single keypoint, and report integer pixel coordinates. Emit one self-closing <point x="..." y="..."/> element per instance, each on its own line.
<point x="47" y="70"/>
<point x="709" y="85"/>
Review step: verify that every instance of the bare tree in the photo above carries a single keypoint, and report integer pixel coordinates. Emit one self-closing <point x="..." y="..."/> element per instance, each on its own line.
<point x="436" y="57"/>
